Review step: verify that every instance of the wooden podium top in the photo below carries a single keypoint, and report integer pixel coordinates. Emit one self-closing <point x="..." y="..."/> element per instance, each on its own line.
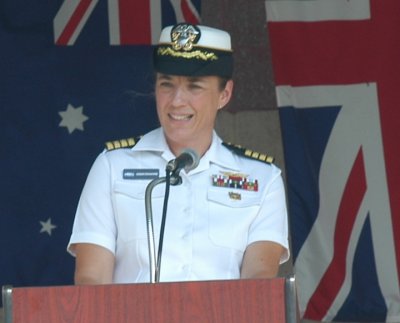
<point x="228" y="301"/>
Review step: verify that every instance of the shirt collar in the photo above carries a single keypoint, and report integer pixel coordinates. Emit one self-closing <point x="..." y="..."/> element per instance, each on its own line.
<point x="216" y="154"/>
<point x="155" y="141"/>
<point x="220" y="155"/>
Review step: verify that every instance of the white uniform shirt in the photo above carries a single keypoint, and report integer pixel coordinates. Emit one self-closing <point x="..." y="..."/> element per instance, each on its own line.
<point x="207" y="227"/>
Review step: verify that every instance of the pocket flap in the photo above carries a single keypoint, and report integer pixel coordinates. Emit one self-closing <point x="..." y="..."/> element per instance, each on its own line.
<point x="137" y="190"/>
<point x="233" y="197"/>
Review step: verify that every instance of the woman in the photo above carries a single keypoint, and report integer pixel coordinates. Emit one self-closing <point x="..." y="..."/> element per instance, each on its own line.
<point x="227" y="220"/>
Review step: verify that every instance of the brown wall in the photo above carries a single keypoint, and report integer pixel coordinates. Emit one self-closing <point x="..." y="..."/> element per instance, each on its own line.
<point x="251" y="119"/>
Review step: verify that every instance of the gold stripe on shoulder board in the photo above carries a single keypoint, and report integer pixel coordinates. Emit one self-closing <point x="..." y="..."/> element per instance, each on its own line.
<point x="258" y="156"/>
<point x="122" y="143"/>
<point x="249" y="153"/>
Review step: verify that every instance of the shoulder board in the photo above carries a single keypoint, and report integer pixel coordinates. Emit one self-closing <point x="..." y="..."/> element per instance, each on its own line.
<point x="122" y="143"/>
<point x="249" y="153"/>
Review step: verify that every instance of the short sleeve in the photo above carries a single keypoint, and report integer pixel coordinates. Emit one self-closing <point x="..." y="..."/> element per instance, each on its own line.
<point x="94" y="219"/>
<point x="271" y="223"/>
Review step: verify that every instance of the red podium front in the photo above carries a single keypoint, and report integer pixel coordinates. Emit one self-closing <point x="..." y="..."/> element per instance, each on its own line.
<point x="229" y="301"/>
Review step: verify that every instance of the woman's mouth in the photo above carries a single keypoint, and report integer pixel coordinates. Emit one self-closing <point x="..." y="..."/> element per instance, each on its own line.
<point x="180" y="117"/>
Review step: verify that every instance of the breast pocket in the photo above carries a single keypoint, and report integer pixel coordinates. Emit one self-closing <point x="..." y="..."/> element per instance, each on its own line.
<point x="129" y="205"/>
<point x="231" y="213"/>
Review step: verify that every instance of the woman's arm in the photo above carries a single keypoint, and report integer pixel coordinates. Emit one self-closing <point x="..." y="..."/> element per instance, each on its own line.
<point x="94" y="264"/>
<point x="261" y="260"/>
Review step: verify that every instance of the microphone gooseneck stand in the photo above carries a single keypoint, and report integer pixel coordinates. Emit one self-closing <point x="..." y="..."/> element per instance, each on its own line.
<point x="171" y="178"/>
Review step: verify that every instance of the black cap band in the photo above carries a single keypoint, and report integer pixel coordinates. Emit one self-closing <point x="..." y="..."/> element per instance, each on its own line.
<point x="198" y="62"/>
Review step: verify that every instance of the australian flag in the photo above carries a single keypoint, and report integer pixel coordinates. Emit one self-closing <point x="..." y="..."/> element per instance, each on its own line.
<point x="337" y="72"/>
<point x="74" y="74"/>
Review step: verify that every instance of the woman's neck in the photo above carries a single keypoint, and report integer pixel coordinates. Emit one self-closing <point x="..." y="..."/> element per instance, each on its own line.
<point x="200" y="146"/>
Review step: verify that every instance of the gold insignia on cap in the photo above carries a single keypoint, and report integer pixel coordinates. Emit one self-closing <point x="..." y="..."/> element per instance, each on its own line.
<point x="183" y="36"/>
<point x="198" y="54"/>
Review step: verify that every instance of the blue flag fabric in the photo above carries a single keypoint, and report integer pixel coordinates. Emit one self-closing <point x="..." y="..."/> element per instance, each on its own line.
<point x="58" y="105"/>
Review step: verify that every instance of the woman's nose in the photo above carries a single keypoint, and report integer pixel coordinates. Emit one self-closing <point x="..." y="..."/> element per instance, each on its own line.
<point x="179" y="96"/>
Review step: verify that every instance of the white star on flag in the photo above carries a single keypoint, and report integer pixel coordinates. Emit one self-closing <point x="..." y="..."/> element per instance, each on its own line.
<point x="72" y="118"/>
<point x="47" y="226"/>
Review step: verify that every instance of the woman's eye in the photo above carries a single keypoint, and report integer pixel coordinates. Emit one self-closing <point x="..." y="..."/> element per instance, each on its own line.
<point x="166" y="84"/>
<point x="195" y="86"/>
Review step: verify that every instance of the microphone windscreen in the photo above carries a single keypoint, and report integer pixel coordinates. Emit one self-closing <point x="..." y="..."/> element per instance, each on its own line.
<point x="195" y="159"/>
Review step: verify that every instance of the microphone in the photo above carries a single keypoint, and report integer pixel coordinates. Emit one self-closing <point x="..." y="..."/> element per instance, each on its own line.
<point x="188" y="160"/>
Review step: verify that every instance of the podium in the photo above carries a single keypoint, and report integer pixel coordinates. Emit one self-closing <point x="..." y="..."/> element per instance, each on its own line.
<point x="226" y="301"/>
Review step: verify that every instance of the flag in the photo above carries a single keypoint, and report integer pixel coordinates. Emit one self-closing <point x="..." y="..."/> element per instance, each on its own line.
<point x="74" y="74"/>
<point x="336" y="67"/>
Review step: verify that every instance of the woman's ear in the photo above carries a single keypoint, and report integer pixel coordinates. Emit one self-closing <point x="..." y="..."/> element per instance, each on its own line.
<point x="226" y="94"/>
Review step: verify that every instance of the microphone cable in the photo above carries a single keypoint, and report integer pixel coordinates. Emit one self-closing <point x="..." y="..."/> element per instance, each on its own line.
<point x="172" y="177"/>
<point x="162" y="227"/>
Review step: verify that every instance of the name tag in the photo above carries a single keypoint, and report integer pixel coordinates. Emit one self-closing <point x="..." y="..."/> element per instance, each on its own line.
<point x="135" y="173"/>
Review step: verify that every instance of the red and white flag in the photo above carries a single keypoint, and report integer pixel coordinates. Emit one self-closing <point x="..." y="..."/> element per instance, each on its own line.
<point x="129" y="22"/>
<point x="337" y="69"/>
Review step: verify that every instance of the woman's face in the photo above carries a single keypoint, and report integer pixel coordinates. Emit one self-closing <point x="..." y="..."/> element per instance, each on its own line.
<point x="187" y="109"/>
